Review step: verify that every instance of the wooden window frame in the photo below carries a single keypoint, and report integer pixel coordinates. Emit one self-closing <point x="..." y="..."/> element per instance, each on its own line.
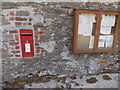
<point x="97" y="32"/>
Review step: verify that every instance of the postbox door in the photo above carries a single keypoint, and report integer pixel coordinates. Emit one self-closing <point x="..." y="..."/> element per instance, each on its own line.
<point x="27" y="43"/>
<point x="27" y="49"/>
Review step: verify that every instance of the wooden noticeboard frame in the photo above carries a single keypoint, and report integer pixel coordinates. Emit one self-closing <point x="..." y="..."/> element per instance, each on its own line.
<point x="99" y="14"/>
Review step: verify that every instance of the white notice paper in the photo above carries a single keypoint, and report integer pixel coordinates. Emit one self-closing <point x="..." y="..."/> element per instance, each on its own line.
<point x="112" y="20"/>
<point x="105" y="30"/>
<point x="91" y="43"/>
<point x="80" y="26"/>
<point x="109" y="40"/>
<point x="108" y="20"/>
<point x="85" y="24"/>
<point x="88" y="29"/>
<point x="27" y="47"/>
<point x="101" y="41"/>
<point x="105" y="20"/>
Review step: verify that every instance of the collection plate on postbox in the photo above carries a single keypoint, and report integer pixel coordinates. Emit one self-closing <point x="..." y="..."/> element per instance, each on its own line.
<point x="95" y="30"/>
<point x="27" y="45"/>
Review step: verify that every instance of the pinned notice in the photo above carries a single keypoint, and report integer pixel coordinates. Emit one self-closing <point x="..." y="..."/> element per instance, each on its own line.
<point x="88" y="29"/>
<point x="105" y="30"/>
<point x="109" y="41"/>
<point x="108" y="20"/>
<point x="27" y="47"/>
<point x="112" y="20"/>
<point x="106" y="41"/>
<point x="104" y="21"/>
<point x="101" y="41"/>
<point x="85" y="26"/>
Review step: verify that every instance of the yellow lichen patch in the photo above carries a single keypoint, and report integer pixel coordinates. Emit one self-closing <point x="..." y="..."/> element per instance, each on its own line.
<point x="94" y="1"/>
<point x="102" y="65"/>
<point x="103" y="61"/>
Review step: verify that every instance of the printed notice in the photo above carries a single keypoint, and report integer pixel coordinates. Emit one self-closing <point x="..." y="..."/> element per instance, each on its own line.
<point x="86" y="24"/>
<point x="87" y="29"/>
<point x="27" y="47"/>
<point x="109" y="40"/>
<point x="112" y="20"/>
<point x="101" y="41"/>
<point x="91" y="43"/>
<point x="104" y="21"/>
<point x="108" y="20"/>
<point x="80" y="25"/>
<point x="105" y="30"/>
<point x="80" y="28"/>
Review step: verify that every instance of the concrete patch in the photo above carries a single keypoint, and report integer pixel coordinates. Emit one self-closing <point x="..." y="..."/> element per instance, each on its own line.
<point x="48" y="46"/>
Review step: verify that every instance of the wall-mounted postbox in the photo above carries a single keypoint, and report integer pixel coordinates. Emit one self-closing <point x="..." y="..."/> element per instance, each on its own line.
<point x="27" y="45"/>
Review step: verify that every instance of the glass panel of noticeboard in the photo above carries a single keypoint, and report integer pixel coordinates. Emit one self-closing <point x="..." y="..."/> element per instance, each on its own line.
<point x="86" y="31"/>
<point x="107" y="30"/>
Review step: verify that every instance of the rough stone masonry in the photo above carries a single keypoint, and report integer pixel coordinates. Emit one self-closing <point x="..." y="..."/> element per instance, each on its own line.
<point x="52" y="24"/>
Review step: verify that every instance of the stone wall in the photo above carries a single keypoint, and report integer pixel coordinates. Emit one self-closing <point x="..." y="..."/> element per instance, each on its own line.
<point x="53" y="28"/>
<point x="39" y="1"/>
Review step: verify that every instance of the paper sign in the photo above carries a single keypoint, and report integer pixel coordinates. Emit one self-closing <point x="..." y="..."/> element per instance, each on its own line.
<point x="112" y="20"/>
<point x="86" y="24"/>
<point x="82" y="23"/>
<point x="27" y="47"/>
<point x="105" y="30"/>
<point x="104" y="21"/>
<point x="80" y="28"/>
<point x="84" y="30"/>
<point x="88" y="29"/>
<point x="91" y="43"/>
<point x="109" y="41"/>
<point x="108" y="20"/>
<point x="101" y="41"/>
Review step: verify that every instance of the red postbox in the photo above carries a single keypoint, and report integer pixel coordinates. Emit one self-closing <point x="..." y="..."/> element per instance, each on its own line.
<point x="27" y="45"/>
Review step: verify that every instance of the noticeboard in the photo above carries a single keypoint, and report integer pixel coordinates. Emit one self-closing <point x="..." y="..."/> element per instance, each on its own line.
<point x="95" y="30"/>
